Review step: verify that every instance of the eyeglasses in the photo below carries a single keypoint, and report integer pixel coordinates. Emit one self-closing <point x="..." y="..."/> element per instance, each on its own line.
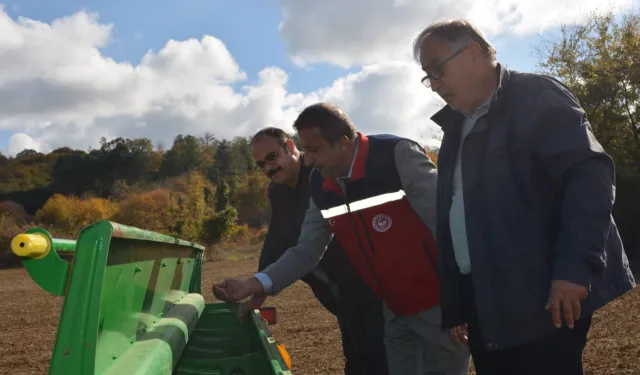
<point x="436" y="73"/>
<point x="270" y="158"/>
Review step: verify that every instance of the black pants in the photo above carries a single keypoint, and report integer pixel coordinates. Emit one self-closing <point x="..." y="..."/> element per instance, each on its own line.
<point x="559" y="353"/>
<point x="362" y="329"/>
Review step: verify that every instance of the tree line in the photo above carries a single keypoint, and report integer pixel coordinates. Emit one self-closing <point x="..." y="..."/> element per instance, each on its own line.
<point x="201" y="189"/>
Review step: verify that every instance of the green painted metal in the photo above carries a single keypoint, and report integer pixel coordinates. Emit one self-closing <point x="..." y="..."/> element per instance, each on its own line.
<point x="133" y="305"/>
<point x="221" y="344"/>
<point x="124" y="231"/>
<point x="51" y="272"/>
<point x="124" y="281"/>
<point x="62" y="245"/>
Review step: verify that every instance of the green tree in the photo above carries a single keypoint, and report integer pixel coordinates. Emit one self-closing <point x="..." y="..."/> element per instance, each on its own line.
<point x="242" y="160"/>
<point x="222" y="195"/>
<point x="222" y="158"/>
<point x="599" y="59"/>
<point x="233" y="186"/>
<point x="185" y="155"/>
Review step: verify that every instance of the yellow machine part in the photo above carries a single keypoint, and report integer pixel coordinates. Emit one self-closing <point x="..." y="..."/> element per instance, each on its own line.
<point x="33" y="245"/>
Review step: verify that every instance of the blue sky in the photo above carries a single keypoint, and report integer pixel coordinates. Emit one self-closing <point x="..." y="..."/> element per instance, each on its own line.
<point x="248" y="28"/>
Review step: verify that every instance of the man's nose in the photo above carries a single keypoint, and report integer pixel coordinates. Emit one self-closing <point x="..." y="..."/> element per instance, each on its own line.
<point x="435" y="84"/>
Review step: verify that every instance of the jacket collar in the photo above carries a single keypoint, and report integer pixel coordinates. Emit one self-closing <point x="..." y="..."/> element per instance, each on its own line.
<point x="358" y="166"/>
<point x="447" y="117"/>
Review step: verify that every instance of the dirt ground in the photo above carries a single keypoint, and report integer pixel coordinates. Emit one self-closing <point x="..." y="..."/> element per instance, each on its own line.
<point x="30" y="316"/>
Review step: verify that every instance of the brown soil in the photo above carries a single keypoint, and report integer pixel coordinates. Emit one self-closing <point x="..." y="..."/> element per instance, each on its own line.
<point x="30" y="317"/>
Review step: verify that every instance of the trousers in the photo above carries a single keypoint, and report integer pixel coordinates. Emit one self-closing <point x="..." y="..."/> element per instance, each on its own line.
<point x="417" y="345"/>
<point x="559" y="353"/>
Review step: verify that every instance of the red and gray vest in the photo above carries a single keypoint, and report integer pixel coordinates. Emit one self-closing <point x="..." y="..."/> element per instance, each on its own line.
<point x="385" y="239"/>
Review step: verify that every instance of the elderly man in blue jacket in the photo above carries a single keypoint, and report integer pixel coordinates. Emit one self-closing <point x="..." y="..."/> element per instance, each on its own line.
<point x="527" y="246"/>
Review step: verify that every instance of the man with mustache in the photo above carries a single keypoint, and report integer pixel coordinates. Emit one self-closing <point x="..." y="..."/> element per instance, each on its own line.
<point x="375" y="195"/>
<point x="334" y="282"/>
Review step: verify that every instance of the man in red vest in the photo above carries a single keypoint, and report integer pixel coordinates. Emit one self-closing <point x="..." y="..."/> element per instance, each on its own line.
<point x="377" y="196"/>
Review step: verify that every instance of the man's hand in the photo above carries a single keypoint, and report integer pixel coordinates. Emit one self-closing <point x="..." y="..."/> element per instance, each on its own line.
<point x="251" y="304"/>
<point x="237" y="289"/>
<point x="459" y="335"/>
<point x="564" y="300"/>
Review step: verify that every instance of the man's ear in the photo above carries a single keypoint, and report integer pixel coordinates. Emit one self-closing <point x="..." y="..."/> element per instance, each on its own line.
<point x="290" y="146"/>
<point x="343" y="143"/>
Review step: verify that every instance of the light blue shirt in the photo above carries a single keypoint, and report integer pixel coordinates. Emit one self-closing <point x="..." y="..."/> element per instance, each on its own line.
<point x="457" y="219"/>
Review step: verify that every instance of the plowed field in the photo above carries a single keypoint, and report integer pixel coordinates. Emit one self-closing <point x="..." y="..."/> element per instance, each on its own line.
<point x="29" y="318"/>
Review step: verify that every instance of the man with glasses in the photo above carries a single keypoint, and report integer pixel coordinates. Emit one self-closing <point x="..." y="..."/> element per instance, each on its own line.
<point x="527" y="246"/>
<point x="334" y="282"/>
<point x="375" y="195"/>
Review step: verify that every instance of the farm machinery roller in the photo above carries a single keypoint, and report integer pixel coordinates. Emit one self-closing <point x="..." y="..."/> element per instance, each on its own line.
<point x="133" y="306"/>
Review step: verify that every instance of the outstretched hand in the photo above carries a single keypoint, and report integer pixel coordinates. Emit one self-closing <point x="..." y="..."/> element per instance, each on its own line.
<point x="253" y="303"/>
<point x="236" y="289"/>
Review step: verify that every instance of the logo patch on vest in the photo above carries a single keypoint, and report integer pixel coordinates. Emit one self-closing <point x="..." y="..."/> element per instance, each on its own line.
<point x="381" y="223"/>
<point x="332" y="222"/>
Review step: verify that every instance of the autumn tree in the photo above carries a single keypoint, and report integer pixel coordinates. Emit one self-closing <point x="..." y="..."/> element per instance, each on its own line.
<point x="252" y="199"/>
<point x="69" y="214"/>
<point x="195" y="209"/>
<point x="149" y="210"/>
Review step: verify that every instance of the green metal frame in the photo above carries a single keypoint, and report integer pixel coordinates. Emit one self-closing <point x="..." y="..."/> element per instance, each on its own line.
<point x="75" y="351"/>
<point x="132" y="302"/>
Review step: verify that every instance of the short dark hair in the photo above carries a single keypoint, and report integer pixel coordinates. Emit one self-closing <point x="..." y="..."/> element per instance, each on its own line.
<point x="456" y="31"/>
<point x="272" y="132"/>
<point x="330" y="119"/>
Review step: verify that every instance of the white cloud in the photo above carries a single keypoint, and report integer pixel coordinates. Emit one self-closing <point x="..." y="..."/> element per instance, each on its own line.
<point x="57" y="89"/>
<point x="386" y="98"/>
<point x="355" y="32"/>
<point x="21" y="141"/>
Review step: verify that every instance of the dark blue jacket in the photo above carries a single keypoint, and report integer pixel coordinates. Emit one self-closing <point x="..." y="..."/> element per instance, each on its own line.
<point x="538" y="191"/>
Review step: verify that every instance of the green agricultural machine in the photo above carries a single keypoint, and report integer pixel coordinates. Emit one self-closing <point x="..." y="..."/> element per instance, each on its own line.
<point x="133" y="306"/>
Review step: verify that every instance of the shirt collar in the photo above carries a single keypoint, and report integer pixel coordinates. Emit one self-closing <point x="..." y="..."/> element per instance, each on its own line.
<point x="483" y="108"/>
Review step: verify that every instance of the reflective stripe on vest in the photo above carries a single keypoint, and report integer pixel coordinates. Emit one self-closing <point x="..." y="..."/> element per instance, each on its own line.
<point x="362" y="204"/>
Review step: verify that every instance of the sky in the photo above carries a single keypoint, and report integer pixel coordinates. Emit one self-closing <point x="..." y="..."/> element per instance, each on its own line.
<point x="74" y="71"/>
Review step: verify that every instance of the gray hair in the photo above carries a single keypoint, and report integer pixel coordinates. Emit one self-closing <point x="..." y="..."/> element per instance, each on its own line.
<point x="457" y="32"/>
